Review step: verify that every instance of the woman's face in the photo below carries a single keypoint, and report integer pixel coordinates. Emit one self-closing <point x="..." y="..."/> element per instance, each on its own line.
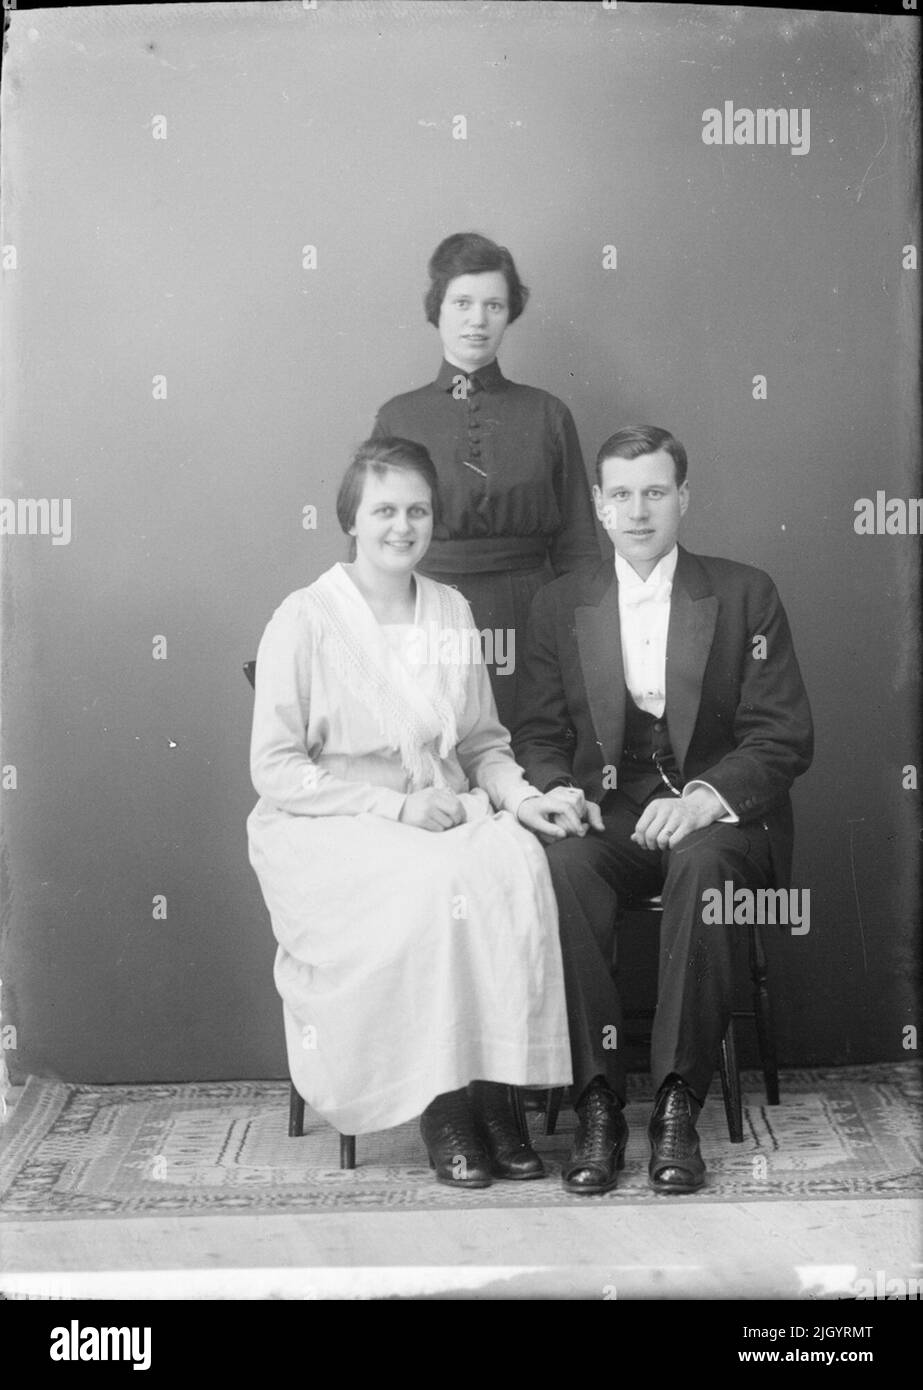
<point x="473" y="318"/>
<point x="394" y="522"/>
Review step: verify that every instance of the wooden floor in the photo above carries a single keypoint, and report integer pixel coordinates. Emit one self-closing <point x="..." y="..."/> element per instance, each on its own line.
<point x="677" y="1249"/>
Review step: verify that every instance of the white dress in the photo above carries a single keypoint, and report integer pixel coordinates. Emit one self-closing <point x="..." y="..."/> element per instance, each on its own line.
<point x="410" y="962"/>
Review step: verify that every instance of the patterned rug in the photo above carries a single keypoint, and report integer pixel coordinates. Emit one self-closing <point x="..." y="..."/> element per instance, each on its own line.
<point x="222" y="1147"/>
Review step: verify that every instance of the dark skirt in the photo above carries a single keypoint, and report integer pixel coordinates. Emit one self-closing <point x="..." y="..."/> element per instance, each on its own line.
<point x="500" y="602"/>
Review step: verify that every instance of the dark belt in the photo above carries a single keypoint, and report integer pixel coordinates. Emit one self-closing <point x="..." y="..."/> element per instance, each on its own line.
<point x="481" y="554"/>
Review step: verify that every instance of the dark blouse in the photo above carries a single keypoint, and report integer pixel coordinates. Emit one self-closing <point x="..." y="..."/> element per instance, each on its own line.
<point x="511" y="476"/>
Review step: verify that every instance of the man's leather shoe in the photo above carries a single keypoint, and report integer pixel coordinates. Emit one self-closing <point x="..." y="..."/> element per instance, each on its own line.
<point x="599" y="1144"/>
<point x="676" y="1161"/>
<point x="455" y="1151"/>
<point x="495" y="1119"/>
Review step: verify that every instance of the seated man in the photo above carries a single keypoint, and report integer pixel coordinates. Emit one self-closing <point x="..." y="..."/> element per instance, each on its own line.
<point x="666" y="692"/>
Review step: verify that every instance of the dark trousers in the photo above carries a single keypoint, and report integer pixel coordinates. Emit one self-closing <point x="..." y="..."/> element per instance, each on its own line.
<point x="696" y="963"/>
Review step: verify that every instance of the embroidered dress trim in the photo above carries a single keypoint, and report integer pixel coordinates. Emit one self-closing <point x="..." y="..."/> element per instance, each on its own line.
<point x="417" y="717"/>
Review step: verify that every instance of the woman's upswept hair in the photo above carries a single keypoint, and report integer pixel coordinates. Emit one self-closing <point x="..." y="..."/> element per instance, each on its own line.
<point x="377" y="456"/>
<point x="469" y="253"/>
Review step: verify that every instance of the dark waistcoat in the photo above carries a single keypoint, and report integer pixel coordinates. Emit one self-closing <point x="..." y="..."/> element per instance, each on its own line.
<point x="646" y="744"/>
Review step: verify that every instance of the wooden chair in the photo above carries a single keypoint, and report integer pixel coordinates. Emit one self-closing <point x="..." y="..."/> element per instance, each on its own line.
<point x="728" y="1065"/>
<point x="296" y="1100"/>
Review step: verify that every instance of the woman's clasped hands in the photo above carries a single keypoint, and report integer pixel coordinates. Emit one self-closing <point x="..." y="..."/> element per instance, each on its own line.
<point x="434" y="808"/>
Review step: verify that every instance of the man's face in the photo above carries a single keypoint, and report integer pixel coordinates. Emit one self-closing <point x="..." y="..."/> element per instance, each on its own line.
<point x="641" y="507"/>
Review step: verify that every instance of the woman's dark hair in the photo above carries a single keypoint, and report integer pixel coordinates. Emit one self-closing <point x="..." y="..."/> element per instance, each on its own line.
<point x="634" y="440"/>
<point x="377" y="456"/>
<point x="469" y="253"/>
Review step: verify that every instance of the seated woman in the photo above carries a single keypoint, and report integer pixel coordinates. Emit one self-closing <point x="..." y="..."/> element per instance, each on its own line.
<point x="418" y="963"/>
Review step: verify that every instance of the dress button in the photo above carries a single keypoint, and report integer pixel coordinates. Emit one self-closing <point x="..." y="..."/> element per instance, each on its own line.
<point x="658" y="726"/>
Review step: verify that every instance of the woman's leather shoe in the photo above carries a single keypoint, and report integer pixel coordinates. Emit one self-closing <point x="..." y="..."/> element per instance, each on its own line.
<point x="599" y="1144"/>
<point x="676" y="1160"/>
<point x="455" y="1151"/>
<point x="495" y="1117"/>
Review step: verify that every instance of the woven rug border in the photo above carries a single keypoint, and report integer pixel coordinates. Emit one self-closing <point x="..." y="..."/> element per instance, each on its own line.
<point x="43" y="1100"/>
<point x="38" y="1107"/>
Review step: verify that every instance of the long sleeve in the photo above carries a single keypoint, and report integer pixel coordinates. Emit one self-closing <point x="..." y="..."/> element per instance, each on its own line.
<point x="577" y="542"/>
<point x="544" y="737"/>
<point x="485" y="754"/>
<point x="773" y="730"/>
<point x="282" y="768"/>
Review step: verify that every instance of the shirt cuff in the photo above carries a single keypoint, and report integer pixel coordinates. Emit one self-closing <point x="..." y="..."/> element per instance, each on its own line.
<point x="731" y="818"/>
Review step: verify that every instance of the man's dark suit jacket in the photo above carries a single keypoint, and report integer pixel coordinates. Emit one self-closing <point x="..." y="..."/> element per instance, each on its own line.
<point x="738" y="722"/>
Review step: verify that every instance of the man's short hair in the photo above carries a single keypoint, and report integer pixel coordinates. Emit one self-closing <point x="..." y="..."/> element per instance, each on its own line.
<point x="635" y="440"/>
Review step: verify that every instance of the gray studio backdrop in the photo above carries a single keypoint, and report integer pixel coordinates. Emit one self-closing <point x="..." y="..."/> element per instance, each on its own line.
<point x="176" y="368"/>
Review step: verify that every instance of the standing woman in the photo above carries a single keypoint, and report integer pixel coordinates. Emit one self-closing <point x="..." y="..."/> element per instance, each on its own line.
<point x="516" y="504"/>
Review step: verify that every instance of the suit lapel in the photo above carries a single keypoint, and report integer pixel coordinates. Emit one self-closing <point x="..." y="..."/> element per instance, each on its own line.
<point x="693" y="616"/>
<point x="599" y="641"/>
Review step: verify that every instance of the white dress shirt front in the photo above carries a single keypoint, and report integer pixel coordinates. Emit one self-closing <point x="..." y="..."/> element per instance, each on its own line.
<point x="644" y="617"/>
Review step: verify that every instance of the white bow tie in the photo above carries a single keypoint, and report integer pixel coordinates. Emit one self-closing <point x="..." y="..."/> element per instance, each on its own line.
<point x="632" y="595"/>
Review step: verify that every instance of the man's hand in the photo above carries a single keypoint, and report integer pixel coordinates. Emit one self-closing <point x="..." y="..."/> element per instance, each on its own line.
<point x="667" y="820"/>
<point x="559" y="813"/>
<point x="432" y="809"/>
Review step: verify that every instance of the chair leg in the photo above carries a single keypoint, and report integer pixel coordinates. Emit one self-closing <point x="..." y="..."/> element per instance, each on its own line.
<point x="347" y="1151"/>
<point x="295" y="1113"/>
<point x="730" y="1085"/>
<point x="519" y="1111"/>
<point x="553" y="1100"/>
<point x="763" y="1017"/>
